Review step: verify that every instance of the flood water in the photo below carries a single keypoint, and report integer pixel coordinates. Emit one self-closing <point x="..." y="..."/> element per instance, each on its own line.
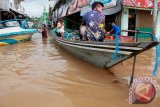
<point x="39" y="73"/>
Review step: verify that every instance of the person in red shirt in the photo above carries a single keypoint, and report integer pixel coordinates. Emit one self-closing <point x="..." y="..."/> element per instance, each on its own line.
<point x="44" y="31"/>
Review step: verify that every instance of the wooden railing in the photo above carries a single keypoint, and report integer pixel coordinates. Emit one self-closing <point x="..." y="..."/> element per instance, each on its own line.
<point x="137" y="38"/>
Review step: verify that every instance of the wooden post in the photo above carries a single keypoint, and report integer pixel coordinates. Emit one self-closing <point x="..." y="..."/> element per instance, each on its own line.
<point x="0" y="15"/>
<point x="155" y="10"/>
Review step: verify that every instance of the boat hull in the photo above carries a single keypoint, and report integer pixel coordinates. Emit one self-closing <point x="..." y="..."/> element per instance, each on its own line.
<point x="14" y="39"/>
<point x="101" y="53"/>
<point x="98" y="58"/>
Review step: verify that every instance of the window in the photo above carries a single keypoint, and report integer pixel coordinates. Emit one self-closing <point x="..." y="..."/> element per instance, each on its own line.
<point x="1" y="26"/>
<point x="12" y="24"/>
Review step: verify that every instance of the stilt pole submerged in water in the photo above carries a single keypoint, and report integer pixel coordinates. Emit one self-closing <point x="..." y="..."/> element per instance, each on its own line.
<point x="133" y="70"/>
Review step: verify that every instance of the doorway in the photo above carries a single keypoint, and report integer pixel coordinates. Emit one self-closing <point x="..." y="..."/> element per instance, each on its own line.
<point x="132" y="21"/>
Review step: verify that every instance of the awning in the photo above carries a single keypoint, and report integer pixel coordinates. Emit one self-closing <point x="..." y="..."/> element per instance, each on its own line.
<point x="82" y="3"/>
<point x="73" y="7"/>
<point x="140" y="4"/>
<point x="113" y="10"/>
<point x="109" y="9"/>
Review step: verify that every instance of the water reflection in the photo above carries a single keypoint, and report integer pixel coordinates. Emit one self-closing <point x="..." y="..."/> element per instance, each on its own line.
<point x="39" y="73"/>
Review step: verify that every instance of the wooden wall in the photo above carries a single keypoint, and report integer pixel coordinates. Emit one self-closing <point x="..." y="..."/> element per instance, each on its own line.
<point x="118" y="19"/>
<point x="143" y="19"/>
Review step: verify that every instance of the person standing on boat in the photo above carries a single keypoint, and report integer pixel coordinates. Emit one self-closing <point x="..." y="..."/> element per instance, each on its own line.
<point x="115" y="29"/>
<point x="95" y="22"/>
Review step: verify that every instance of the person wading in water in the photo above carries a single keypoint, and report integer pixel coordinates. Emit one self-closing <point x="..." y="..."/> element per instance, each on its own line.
<point x="43" y="31"/>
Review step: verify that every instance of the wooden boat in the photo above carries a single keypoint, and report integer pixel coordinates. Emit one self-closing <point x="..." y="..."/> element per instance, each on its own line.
<point x="11" y="32"/>
<point x="101" y="53"/>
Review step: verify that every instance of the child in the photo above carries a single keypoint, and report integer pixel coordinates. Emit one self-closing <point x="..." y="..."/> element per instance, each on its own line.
<point x="60" y="27"/>
<point x="61" y="33"/>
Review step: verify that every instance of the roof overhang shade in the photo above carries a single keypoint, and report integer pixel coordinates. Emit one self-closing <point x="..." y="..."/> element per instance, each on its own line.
<point x="16" y="13"/>
<point x="4" y="5"/>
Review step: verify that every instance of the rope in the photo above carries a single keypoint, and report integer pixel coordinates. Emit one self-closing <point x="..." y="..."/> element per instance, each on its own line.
<point x="157" y="52"/>
<point x="114" y="57"/>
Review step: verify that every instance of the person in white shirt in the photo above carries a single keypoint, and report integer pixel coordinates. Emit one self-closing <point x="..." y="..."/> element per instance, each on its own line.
<point x="60" y="27"/>
<point x="62" y="33"/>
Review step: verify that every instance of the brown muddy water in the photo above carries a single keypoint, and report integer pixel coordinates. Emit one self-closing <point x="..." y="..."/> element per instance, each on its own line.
<point x="39" y="73"/>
